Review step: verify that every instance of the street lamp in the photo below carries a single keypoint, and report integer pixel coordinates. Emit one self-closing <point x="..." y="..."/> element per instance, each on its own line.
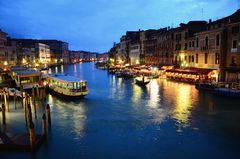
<point x="23" y="61"/>
<point x="5" y="63"/>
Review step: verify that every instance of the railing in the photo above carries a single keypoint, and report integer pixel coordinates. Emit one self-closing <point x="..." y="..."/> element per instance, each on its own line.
<point x="233" y="50"/>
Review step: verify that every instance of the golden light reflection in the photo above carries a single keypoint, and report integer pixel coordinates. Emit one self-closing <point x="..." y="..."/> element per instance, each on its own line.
<point x="137" y="93"/>
<point x="154" y="94"/>
<point x="50" y="71"/>
<point x="56" y="69"/>
<point x="120" y="82"/>
<point x="113" y="84"/>
<point x="50" y="99"/>
<point x="75" y="70"/>
<point x="62" y="68"/>
<point x="81" y="71"/>
<point x="183" y="104"/>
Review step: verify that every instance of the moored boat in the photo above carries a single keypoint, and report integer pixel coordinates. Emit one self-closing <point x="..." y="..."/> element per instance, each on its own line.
<point x="142" y="81"/>
<point x="68" y="86"/>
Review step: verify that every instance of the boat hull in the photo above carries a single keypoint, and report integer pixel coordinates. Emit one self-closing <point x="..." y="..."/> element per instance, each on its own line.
<point x="67" y="94"/>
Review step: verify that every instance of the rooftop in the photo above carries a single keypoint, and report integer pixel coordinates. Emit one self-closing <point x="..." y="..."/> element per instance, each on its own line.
<point x="65" y="77"/>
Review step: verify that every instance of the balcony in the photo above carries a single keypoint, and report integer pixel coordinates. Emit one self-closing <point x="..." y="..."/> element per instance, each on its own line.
<point x="233" y="50"/>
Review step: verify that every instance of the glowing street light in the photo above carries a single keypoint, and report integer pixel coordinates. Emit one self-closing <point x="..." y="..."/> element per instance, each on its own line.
<point x="24" y="61"/>
<point x="5" y="63"/>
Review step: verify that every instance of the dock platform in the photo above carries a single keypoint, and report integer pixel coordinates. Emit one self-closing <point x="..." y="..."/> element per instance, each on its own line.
<point x="12" y="141"/>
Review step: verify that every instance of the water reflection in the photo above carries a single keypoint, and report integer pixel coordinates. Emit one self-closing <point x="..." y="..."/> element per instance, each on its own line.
<point x="153" y="91"/>
<point x="137" y="94"/>
<point x="56" y="69"/>
<point x="183" y="104"/>
<point x="71" y="112"/>
<point x="62" y="68"/>
<point x="75" y="70"/>
<point x="80" y="71"/>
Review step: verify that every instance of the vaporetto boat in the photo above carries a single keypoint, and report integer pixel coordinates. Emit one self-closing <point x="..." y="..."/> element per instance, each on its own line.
<point x="68" y="86"/>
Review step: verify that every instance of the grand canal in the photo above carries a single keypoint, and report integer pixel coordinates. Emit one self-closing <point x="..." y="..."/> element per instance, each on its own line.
<point x="119" y="119"/>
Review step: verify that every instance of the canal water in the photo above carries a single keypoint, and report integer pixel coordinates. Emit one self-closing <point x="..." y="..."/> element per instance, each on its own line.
<point x="121" y="120"/>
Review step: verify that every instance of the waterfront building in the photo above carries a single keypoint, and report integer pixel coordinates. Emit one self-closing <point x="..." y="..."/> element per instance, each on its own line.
<point x="7" y="51"/>
<point x="165" y="47"/>
<point x="133" y="47"/>
<point x="184" y="42"/>
<point x="112" y="53"/>
<point x="102" y="57"/>
<point x="11" y="52"/>
<point x="150" y="47"/>
<point x="59" y="50"/>
<point x="25" y="49"/>
<point x="3" y="43"/>
<point x="29" y="50"/>
<point x="232" y="68"/>
<point x="142" y="53"/>
<point x="121" y="54"/>
<point x="43" y="53"/>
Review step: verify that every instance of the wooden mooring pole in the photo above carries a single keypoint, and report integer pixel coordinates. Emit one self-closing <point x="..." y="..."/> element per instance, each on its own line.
<point x="44" y="126"/>
<point x="29" y="110"/>
<point x="15" y="98"/>
<point x="3" y="114"/>
<point x="32" y="136"/>
<point x="48" y="115"/>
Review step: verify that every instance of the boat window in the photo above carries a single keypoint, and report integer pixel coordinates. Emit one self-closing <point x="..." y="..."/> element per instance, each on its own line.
<point x="64" y="85"/>
<point x="70" y="86"/>
<point x="74" y="85"/>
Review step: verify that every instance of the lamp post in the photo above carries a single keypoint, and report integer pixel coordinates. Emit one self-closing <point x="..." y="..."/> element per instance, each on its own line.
<point x="5" y="63"/>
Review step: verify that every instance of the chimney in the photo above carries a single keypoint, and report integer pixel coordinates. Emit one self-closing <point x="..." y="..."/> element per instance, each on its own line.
<point x="210" y="20"/>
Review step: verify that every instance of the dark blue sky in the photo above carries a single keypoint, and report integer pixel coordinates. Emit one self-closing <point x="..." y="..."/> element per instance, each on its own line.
<point x="95" y="24"/>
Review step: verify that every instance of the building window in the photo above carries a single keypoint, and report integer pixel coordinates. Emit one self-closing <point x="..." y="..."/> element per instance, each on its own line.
<point x="196" y="58"/>
<point x="217" y="58"/>
<point x="217" y="40"/>
<point x="233" y="61"/>
<point x="235" y="29"/>
<point x="192" y="58"/>
<point x="206" y="41"/>
<point x="185" y="58"/>
<point x="185" y="48"/>
<point x="193" y="44"/>
<point x="234" y="44"/>
<point x="206" y="58"/>
<point x="197" y="41"/>
<point x="190" y="44"/>
<point x="189" y="59"/>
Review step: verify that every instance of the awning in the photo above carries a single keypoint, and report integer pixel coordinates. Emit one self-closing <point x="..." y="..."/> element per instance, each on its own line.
<point x="193" y="71"/>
